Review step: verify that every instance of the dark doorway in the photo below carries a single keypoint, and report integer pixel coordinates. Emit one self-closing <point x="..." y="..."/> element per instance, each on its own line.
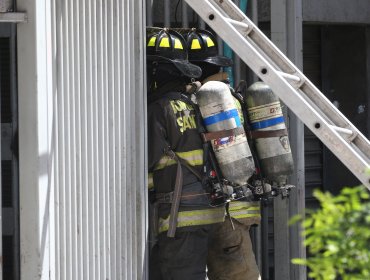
<point x="344" y="82"/>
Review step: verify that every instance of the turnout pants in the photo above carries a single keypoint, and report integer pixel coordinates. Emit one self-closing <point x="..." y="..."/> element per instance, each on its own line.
<point x="183" y="257"/>
<point x="231" y="256"/>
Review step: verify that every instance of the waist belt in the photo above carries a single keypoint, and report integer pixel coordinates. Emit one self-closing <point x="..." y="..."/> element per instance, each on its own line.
<point x="168" y="197"/>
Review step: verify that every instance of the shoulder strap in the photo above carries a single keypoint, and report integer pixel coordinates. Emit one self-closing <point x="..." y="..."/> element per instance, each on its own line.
<point x="176" y="195"/>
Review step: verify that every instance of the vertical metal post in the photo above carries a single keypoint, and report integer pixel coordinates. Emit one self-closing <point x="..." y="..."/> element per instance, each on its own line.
<point x="296" y="132"/>
<point x="286" y="32"/>
<point x="1" y="193"/>
<point x="167" y="13"/>
<point x="253" y="11"/>
<point x="15" y="171"/>
<point x="220" y="45"/>
<point x="368" y="77"/>
<point x="33" y="60"/>
<point x="201" y="24"/>
<point x="258" y="231"/>
<point x="237" y="63"/>
<point x="281" y="207"/>
<point x="264" y="268"/>
<point x="149" y="12"/>
<point x="185" y="19"/>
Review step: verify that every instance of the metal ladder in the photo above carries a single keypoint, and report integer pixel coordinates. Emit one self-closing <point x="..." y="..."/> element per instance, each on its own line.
<point x="289" y="83"/>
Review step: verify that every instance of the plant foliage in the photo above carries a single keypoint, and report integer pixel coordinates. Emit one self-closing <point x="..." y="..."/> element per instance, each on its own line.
<point x="338" y="236"/>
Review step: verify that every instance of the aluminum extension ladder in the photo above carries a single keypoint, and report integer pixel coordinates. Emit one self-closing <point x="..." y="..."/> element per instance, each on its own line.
<point x="289" y="83"/>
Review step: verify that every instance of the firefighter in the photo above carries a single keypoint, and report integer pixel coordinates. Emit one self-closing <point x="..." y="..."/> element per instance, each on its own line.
<point x="230" y="255"/>
<point x="184" y="219"/>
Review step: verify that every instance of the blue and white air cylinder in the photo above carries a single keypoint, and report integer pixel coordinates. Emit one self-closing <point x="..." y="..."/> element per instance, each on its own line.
<point x="265" y="114"/>
<point x="219" y="112"/>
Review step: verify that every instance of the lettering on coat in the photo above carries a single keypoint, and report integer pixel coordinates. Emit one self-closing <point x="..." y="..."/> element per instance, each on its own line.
<point x="185" y="115"/>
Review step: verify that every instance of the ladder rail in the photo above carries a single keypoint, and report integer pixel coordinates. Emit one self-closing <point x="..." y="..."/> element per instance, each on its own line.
<point x="291" y="92"/>
<point x="281" y="63"/>
<point x="258" y="38"/>
<point x="273" y="53"/>
<point x="231" y="10"/>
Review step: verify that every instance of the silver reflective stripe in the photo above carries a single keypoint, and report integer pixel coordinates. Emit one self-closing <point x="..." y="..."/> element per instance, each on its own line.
<point x="195" y="218"/>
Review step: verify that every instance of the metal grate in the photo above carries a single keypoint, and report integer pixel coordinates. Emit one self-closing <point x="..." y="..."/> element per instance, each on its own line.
<point x="99" y="121"/>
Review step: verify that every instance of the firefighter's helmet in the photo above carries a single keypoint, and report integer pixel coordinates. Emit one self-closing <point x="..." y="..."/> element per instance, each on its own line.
<point x="168" y="46"/>
<point x="202" y="47"/>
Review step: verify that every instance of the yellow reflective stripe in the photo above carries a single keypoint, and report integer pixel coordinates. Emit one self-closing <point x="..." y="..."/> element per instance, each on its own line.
<point x="150" y="181"/>
<point x="253" y="205"/>
<point x="165" y="42"/>
<point x="256" y="208"/>
<point x="193" y="158"/>
<point x="244" y="209"/>
<point x="244" y="215"/>
<point x="195" y="218"/>
<point x="178" y="44"/>
<point x="164" y="162"/>
<point x="240" y="111"/>
<point x="195" y="45"/>
<point x="247" y="211"/>
<point x="210" y="42"/>
<point x="151" y="42"/>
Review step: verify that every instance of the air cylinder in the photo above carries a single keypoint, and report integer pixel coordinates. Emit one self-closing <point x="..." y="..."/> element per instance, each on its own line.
<point x="219" y="112"/>
<point x="265" y="114"/>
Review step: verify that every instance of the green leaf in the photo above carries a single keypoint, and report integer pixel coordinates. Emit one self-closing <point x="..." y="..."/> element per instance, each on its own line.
<point x="299" y="261"/>
<point x="337" y="235"/>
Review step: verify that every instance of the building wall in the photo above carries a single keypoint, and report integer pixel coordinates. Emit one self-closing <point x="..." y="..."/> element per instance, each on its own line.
<point x="82" y="131"/>
<point x="328" y="11"/>
<point x="336" y="11"/>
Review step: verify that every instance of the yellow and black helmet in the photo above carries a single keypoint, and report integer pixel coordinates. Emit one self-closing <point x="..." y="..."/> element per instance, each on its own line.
<point x="202" y="47"/>
<point x="168" y="46"/>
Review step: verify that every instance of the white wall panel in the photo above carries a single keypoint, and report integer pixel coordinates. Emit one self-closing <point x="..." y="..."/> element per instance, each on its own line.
<point x="91" y="61"/>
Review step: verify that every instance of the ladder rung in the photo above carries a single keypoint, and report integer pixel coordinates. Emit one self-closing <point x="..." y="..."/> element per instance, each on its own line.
<point x="289" y="76"/>
<point x="237" y="23"/>
<point x="342" y="130"/>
